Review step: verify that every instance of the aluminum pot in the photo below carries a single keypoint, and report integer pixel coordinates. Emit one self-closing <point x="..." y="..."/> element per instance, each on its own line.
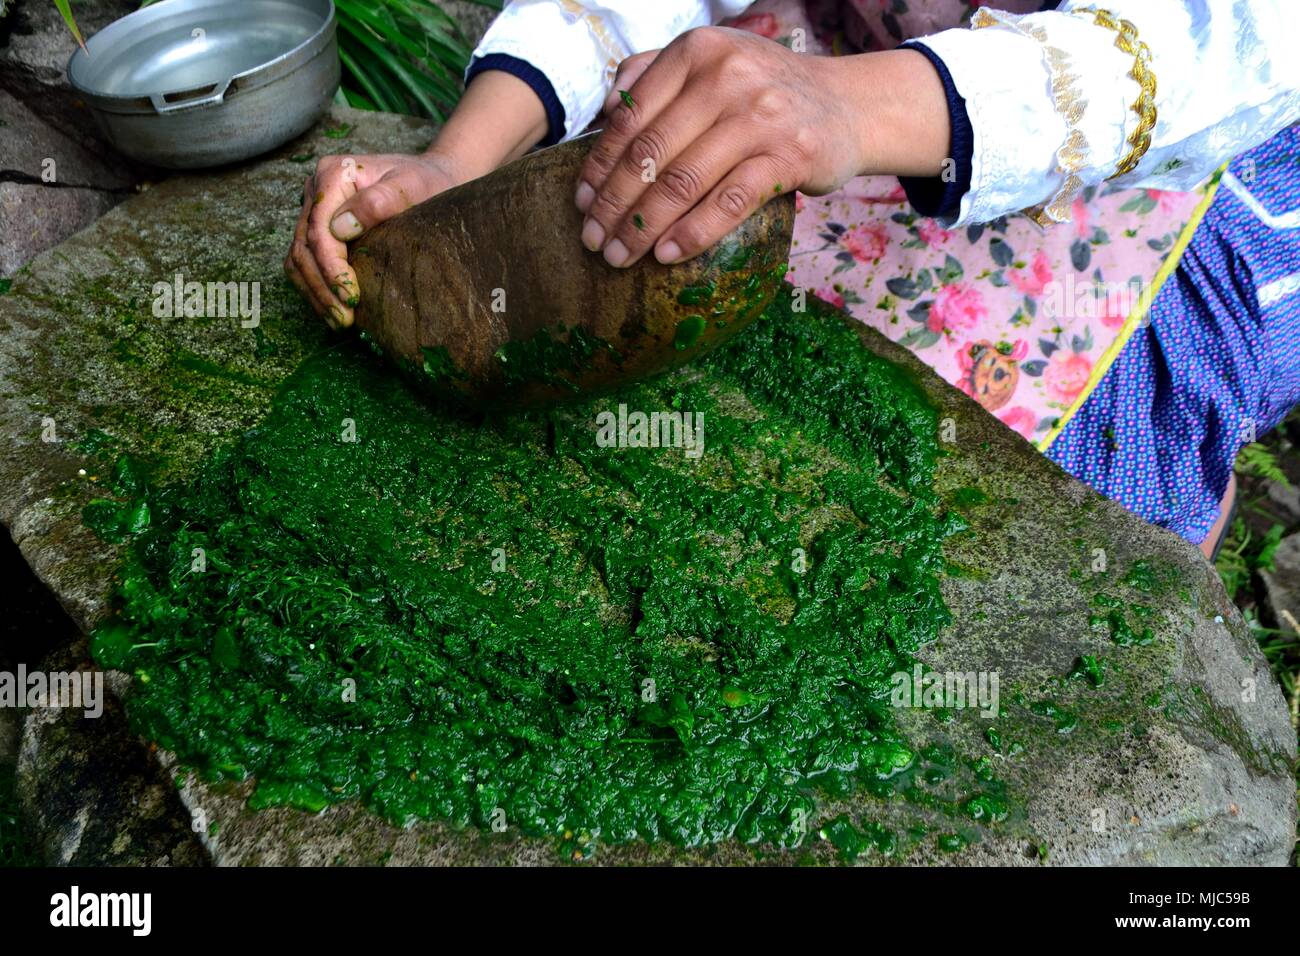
<point x="192" y="83"/>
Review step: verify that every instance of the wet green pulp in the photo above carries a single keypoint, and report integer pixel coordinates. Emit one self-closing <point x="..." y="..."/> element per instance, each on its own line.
<point x="501" y="621"/>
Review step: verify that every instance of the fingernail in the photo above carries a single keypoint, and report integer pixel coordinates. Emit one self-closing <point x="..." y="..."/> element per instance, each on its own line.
<point x="346" y="226"/>
<point x="337" y="315"/>
<point x="668" y="252"/>
<point x="346" y="290"/>
<point x="616" y="253"/>
<point x="593" y="235"/>
<point x="584" y="197"/>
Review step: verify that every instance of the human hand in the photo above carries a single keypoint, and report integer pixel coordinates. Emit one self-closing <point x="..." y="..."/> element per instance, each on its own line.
<point x="344" y="197"/>
<point x="700" y="134"/>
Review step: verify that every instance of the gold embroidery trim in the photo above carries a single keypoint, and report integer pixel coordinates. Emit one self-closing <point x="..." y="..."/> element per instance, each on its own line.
<point x="1129" y="42"/>
<point x="1072" y="154"/>
<point x="614" y="52"/>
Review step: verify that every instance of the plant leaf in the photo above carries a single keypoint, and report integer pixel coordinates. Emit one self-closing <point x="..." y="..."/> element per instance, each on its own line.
<point x="65" y="11"/>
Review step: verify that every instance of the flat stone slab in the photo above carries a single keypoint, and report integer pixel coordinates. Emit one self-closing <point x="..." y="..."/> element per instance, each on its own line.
<point x="1183" y="754"/>
<point x="50" y="185"/>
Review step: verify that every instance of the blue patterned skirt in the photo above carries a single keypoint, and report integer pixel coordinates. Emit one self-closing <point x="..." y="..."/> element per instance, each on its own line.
<point x="1216" y="365"/>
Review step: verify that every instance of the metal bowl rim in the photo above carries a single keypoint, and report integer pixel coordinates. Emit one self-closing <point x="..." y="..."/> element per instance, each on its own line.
<point x="306" y="51"/>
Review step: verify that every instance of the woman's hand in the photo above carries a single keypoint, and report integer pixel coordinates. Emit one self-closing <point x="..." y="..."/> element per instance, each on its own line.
<point x="346" y="196"/>
<point x="702" y="133"/>
<point x="497" y="120"/>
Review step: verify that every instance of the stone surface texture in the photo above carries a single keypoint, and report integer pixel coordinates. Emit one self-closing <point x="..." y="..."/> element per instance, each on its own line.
<point x="57" y="175"/>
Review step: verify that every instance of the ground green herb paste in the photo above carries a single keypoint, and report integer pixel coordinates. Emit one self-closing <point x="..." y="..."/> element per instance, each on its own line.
<point x="447" y="618"/>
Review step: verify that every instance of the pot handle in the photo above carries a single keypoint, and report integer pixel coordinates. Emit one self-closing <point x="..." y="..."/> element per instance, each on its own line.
<point x="181" y="100"/>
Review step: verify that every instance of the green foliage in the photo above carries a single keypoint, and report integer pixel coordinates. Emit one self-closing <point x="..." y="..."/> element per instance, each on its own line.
<point x="1259" y="461"/>
<point x="65" y="11"/>
<point x="1243" y="553"/>
<point x="402" y="56"/>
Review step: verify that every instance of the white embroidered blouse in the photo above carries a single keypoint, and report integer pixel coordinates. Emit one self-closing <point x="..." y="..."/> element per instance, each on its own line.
<point x="1055" y="99"/>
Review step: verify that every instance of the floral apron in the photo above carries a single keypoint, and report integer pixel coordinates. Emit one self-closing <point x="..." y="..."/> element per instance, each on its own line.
<point x="1107" y="341"/>
<point x="1020" y="317"/>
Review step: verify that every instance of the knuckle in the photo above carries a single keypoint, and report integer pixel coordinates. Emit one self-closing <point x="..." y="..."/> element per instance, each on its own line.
<point x="609" y="204"/>
<point x="803" y="144"/>
<point x="601" y="159"/>
<point x="630" y="63"/>
<point x="321" y="208"/>
<point x="635" y="239"/>
<point x="771" y="103"/>
<point x="702" y="40"/>
<point x="737" y="66"/>
<point x="316" y="240"/>
<point x="322" y="254"/>
<point x="650" y="146"/>
<point x="371" y="201"/>
<point x="735" y="200"/>
<point x="681" y="183"/>
<point x="692" y="236"/>
<point x="624" y="120"/>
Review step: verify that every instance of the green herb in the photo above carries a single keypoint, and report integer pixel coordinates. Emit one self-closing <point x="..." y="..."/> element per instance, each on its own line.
<point x="448" y="616"/>
<point x="626" y="97"/>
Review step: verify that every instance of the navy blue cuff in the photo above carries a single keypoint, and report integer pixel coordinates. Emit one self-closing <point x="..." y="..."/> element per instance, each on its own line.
<point x="931" y="196"/>
<point x="535" y="78"/>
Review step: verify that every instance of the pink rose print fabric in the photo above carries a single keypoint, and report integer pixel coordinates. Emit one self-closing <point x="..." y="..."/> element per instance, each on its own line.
<point x="1014" y="315"/>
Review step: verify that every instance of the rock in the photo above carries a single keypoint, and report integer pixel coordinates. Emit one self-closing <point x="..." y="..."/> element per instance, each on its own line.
<point x="474" y="18"/>
<point x="9" y="731"/>
<point x="32" y="151"/>
<point x="86" y="785"/>
<point x="50" y="185"/>
<point x="94" y="795"/>
<point x="1285" y="501"/>
<point x="637" y="312"/>
<point x="35" y="45"/>
<point x="38" y="217"/>
<point x="1282" y="584"/>
<point x="1183" y="754"/>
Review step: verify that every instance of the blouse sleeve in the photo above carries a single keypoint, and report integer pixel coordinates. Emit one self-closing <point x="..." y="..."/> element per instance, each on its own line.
<point x="1153" y="93"/>
<point x="578" y="44"/>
